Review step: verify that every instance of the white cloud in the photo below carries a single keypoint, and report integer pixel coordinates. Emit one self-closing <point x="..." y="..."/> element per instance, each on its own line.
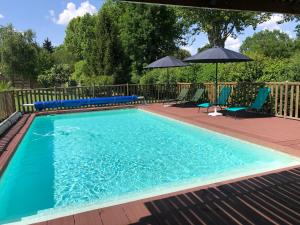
<point x="72" y="12"/>
<point x="233" y="44"/>
<point x="272" y="23"/>
<point x="1" y="16"/>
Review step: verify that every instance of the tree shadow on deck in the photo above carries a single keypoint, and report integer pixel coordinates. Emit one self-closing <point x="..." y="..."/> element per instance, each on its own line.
<point x="269" y="199"/>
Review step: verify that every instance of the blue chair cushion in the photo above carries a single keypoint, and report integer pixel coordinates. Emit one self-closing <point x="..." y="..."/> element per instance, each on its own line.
<point x="235" y="109"/>
<point x="204" y="105"/>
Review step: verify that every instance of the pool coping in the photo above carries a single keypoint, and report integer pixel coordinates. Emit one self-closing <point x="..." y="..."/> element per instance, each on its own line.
<point x="6" y="156"/>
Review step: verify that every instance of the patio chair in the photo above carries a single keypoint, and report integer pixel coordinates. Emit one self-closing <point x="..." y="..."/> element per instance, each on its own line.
<point x="197" y="96"/>
<point x="180" y="98"/>
<point x="257" y="105"/>
<point x="222" y="100"/>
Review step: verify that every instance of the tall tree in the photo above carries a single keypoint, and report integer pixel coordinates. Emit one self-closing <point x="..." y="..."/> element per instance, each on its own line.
<point x="274" y="44"/>
<point x="148" y="32"/>
<point x="107" y="57"/>
<point x="219" y="24"/>
<point x="80" y="35"/>
<point x="47" y="45"/>
<point x="18" y="52"/>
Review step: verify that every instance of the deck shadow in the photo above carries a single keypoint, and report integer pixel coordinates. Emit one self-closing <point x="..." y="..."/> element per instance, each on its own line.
<point x="269" y="199"/>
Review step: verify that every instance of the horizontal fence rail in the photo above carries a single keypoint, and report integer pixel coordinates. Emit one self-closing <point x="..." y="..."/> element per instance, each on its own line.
<point x="284" y="100"/>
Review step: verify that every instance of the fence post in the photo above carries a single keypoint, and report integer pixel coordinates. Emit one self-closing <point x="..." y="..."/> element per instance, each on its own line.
<point x="55" y="93"/>
<point x="285" y="99"/>
<point x="93" y="90"/>
<point x="127" y="86"/>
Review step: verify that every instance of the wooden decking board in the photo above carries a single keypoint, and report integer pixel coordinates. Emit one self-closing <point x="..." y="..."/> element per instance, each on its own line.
<point x="205" y="209"/>
<point x="243" y="208"/>
<point x="282" y="199"/>
<point x="114" y="215"/>
<point x="134" y="211"/>
<point x="88" y="218"/>
<point x="212" y="205"/>
<point x="268" y="209"/>
<point x="41" y="223"/>
<point x="68" y="220"/>
<point x="275" y="208"/>
<point x="229" y="208"/>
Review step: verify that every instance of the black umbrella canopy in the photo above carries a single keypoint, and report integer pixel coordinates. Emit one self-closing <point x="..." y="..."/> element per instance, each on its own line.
<point x="166" y="62"/>
<point x="217" y="55"/>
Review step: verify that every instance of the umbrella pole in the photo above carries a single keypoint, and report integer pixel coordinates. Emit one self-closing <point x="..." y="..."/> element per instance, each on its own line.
<point x="216" y="85"/>
<point x="216" y="113"/>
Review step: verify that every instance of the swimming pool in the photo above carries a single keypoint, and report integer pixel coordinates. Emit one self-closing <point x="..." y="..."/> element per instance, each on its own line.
<point x="74" y="162"/>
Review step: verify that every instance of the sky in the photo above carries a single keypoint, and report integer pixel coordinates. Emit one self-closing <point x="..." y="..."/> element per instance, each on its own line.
<point x="49" y="18"/>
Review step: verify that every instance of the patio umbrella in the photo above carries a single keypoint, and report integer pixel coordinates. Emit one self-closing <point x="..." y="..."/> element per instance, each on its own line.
<point x="166" y="62"/>
<point x="217" y="55"/>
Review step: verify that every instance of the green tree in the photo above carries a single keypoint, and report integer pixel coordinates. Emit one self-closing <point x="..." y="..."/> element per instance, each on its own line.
<point x="80" y="36"/>
<point x="219" y="24"/>
<point x="47" y="45"/>
<point x="274" y="44"/>
<point x="148" y="32"/>
<point x="56" y="76"/>
<point x="181" y="53"/>
<point x="18" y="52"/>
<point x="81" y="72"/>
<point x="45" y="60"/>
<point x="107" y="56"/>
<point x="62" y="55"/>
<point x="205" y="47"/>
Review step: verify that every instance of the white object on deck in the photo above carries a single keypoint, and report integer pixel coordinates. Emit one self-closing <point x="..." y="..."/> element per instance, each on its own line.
<point x="28" y="104"/>
<point x="215" y="113"/>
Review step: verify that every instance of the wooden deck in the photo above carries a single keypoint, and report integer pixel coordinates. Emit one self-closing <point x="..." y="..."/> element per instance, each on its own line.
<point x="270" y="198"/>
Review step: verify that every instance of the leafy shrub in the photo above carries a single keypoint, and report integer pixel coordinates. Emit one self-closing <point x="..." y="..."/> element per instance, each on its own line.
<point x="56" y="76"/>
<point x="4" y="86"/>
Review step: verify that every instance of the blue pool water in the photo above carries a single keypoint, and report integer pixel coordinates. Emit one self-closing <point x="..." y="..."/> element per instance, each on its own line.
<point x="75" y="160"/>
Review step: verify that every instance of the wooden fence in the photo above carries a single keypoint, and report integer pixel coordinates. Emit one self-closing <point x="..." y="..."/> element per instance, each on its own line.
<point x="7" y="104"/>
<point x="283" y="102"/>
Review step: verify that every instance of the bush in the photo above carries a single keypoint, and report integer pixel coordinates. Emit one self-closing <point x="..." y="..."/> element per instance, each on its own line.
<point x="98" y="80"/>
<point x="4" y="86"/>
<point x="56" y="76"/>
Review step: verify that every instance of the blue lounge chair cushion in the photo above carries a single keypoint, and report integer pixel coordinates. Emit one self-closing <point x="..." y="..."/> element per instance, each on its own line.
<point x="204" y="105"/>
<point x="235" y="109"/>
<point x="260" y="100"/>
